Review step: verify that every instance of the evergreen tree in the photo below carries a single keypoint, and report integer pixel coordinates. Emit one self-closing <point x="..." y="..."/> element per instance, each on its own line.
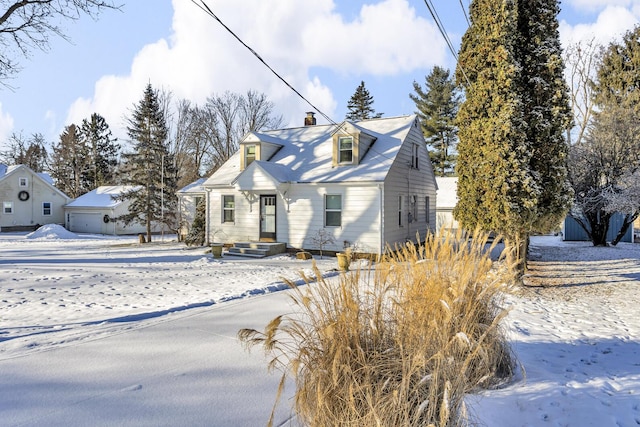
<point x="437" y="106"/>
<point x="103" y="149"/>
<point x="361" y="105"/>
<point x="196" y="236"/>
<point x="547" y="109"/>
<point x="512" y="154"/>
<point x="496" y="189"/>
<point x="150" y="167"/>
<point x="69" y="163"/>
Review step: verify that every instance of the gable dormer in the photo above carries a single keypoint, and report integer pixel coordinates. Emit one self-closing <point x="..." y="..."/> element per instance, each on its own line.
<point x="350" y="144"/>
<point x="253" y="147"/>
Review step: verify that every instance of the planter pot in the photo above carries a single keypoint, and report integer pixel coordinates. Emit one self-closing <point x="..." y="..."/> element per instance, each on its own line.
<point x="343" y="261"/>
<point x="216" y="250"/>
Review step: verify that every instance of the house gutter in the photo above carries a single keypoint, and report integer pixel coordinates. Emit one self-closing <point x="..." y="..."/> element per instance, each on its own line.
<point x="207" y="221"/>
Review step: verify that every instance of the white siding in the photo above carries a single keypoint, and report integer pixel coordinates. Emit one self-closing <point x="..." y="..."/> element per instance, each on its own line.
<point x="403" y="180"/>
<point x="300" y="214"/>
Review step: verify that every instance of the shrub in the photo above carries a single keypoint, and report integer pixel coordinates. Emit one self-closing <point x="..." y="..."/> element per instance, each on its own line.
<point x="396" y="344"/>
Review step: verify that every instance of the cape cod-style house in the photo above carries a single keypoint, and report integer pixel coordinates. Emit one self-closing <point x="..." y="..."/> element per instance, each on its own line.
<point x="363" y="185"/>
<point x="29" y="199"/>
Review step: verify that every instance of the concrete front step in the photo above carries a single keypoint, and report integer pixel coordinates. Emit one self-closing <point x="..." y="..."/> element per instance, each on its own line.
<point x="257" y="249"/>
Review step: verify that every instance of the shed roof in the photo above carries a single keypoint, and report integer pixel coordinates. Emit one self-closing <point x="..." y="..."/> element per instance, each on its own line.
<point x="101" y="197"/>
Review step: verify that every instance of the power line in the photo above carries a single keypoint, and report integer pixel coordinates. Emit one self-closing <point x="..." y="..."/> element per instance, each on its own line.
<point x="464" y="12"/>
<point x="209" y="12"/>
<point x="444" y="34"/>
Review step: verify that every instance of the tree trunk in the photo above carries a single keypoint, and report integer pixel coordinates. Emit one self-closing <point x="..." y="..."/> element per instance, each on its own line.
<point x="628" y="220"/>
<point x="599" y="224"/>
<point x="516" y="248"/>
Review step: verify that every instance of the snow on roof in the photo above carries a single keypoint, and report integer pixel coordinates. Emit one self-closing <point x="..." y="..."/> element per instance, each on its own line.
<point x="3" y="169"/>
<point x="447" y="196"/>
<point x="46" y="177"/>
<point x="307" y="153"/>
<point x="101" y="197"/>
<point x="194" y="187"/>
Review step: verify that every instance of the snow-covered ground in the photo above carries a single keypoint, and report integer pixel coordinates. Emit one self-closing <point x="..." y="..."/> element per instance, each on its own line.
<point x="98" y="330"/>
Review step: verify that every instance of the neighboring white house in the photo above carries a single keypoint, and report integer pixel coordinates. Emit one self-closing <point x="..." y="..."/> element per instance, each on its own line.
<point x="364" y="184"/>
<point x="28" y="199"/>
<point x="96" y="212"/>
<point x="446" y="200"/>
<point x="188" y="198"/>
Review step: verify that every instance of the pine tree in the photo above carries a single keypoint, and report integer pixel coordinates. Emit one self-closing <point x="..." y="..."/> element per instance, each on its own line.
<point x="361" y="105"/>
<point x="150" y="167"/>
<point x="103" y="150"/>
<point x="437" y="106"/>
<point x="69" y="163"/>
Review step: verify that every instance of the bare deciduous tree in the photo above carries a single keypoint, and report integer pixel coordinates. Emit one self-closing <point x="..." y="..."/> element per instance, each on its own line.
<point x="28" y="24"/>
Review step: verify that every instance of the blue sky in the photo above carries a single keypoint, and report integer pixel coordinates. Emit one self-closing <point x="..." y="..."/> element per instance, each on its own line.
<point x="323" y="48"/>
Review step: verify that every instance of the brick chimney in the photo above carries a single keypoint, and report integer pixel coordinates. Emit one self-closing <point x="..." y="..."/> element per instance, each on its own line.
<point x="310" y="120"/>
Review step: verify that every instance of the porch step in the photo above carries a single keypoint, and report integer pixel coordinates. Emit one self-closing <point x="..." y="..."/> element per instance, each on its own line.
<point x="257" y="249"/>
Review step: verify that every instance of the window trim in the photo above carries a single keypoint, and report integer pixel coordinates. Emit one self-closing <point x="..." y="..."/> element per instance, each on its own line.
<point x="249" y="157"/>
<point x="427" y="204"/>
<point x="332" y="210"/>
<point x="44" y="209"/>
<point x="401" y="210"/>
<point x="225" y="209"/>
<point x="342" y="150"/>
<point x="9" y="205"/>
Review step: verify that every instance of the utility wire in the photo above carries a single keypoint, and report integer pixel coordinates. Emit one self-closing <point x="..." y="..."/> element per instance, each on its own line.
<point x="464" y="11"/>
<point x="209" y="12"/>
<point x="444" y="34"/>
<point x="203" y="6"/>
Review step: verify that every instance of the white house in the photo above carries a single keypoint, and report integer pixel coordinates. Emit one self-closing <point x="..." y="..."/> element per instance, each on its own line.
<point x="96" y="212"/>
<point x="446" y="200"/>
<point x="188" y="198"/>
<point x="364" y="184"/>
<point x="28" y="199"/>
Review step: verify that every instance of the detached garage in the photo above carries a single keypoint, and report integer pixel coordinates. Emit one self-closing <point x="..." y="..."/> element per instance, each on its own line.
<point x="96" y="212"/>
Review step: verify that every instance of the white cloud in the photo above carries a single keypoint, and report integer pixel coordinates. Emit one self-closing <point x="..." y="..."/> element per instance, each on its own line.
<point x="201" y="58"/>
<point x="6" y="124"/>
<point x="595" y="5"/>
<point x="611" y="24"/>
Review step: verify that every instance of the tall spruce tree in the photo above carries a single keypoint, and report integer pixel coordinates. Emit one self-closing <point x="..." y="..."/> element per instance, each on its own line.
<point x="103" y="149"/>
<point x="150" y="167"/>
<point x="360" y="105"/>
<point x="512" y="154"/>
<point x="437" y="106"/>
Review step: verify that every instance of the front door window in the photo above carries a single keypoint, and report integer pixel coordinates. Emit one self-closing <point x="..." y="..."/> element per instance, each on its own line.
<point x="268" y="218"/>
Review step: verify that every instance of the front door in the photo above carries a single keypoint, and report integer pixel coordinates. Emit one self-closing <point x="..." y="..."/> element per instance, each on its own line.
<point x="268" y="218"/>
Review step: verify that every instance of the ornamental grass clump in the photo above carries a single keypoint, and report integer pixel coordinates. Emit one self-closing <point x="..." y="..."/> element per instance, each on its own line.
<point x="396" y="344"/>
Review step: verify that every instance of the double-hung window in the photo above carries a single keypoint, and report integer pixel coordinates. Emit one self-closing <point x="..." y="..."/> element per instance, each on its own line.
<point x="249" y="154"/>
<point x="345" y="149"/>
<point x="46" y="208"/>
<point x="333" y="210"/>
<point x="7" y="208"/>
<point x="228" y="209"/>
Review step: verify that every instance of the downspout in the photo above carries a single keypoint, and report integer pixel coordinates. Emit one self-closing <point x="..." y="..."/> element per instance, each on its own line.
<point x="207" y="221"/>
<point x="382" y="242"/>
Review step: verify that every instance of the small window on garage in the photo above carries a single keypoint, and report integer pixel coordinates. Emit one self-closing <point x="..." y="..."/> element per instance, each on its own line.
<point x="7" y="208"/>
<point x="23" y="181"/>
<point x="46" y="208"/>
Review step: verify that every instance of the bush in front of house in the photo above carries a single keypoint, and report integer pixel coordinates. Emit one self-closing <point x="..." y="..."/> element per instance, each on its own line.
<point x="399" y="343"/>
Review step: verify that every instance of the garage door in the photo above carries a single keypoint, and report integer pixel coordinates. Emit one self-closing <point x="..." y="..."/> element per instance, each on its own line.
<point x="85" y="222"/>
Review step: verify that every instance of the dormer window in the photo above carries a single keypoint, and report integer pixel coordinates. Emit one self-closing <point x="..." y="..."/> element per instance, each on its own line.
<point x="249" y="154"/>
<point x="345" y="149"/>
